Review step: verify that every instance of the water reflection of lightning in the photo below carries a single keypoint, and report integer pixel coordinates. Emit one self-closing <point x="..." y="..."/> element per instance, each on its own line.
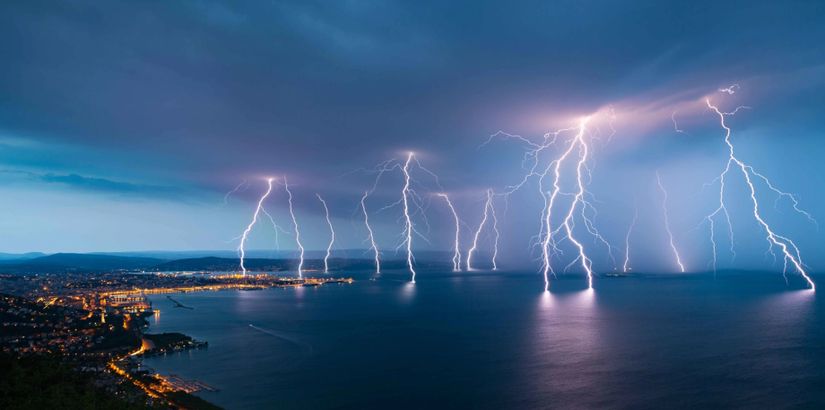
<point x="331" y="234"/>
<point x="297" y="230"/>
<point x="789" y="249"/>
<point x="245" y="235"/>
<point x="626" y="266"/>
<point x="370" y="234"/>
<point x="456" y="244"/>
<point x="667" y="223"/>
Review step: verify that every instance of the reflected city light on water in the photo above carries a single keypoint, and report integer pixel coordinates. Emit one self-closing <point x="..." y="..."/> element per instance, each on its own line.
<point x="300" y="292"/>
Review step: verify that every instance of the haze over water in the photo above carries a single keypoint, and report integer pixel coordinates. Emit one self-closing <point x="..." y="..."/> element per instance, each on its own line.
<point x="493" y="340"/>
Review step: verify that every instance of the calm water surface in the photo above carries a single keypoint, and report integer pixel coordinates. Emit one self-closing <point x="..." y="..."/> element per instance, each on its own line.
<point x="494" y="340"/>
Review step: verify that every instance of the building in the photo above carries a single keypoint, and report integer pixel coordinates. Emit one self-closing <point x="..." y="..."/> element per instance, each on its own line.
<point x="128" y="302"/>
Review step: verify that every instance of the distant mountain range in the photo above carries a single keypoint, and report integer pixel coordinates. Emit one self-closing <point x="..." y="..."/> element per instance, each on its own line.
<point x="20" y="256"/>
<point x="227" y="261"/>
<point x="67" y="262"/>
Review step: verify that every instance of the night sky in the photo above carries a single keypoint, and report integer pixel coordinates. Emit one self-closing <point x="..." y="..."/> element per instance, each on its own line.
<point x="124" y="124"/>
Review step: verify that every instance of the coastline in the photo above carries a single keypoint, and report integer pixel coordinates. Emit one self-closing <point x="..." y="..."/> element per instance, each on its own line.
<point x="172" y="340"/>
<point x="172" y="389"/>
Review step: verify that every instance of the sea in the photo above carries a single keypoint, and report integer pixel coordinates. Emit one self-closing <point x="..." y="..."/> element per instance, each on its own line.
<point x="497" y="340"/>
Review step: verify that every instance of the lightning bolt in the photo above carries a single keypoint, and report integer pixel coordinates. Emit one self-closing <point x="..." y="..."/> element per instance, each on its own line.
<point x="408" y="225"/>
<point x="667" y="223"/>
<point x="578" y="143"/>
<point x="331" y="234"/>
<point x="410" y="201"/>
<point x="729" y="90"/>
<point x="370" y="234"/>
<point x="487" y="205"/>
<point x="456" y="245"/>
<point x="626" y="266"/>
<point x="676" y="125"/>
<point x="380" y="170"/>
<point x="578" y="199"/>
<point x="297" y="230"/>
<point x="237" y="188"/>
<point x="277" y="228"/>
<point x="245" y="234"/>
<point x="580" y="207"/>
<point x="496" y="233"/>
<point x="789" y="249"/>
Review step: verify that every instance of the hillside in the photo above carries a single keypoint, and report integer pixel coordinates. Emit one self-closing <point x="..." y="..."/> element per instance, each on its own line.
<point x="69" y="262"/>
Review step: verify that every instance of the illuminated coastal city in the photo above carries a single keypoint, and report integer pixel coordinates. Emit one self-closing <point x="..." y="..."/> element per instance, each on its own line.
<point x="98" y="322"/>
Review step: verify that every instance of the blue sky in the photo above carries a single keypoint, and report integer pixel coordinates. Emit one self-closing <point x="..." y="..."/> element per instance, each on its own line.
<point x="123" y="125"/>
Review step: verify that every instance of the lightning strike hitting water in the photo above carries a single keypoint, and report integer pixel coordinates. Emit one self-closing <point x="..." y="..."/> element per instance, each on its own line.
<point x="667" y="223"/>
<point x="580" y="207"/>
<point x="456" y="245"/>
<point x="408" y="225"/>
<point x="245" y="235"/>
<point x="297" y="230"/>
<point x="487" y="205"/>
<point x="789" y="249"/>
<point x="380" y="170"/>
<point x="412" y="205"/>
<point x="370" y="234"/>
<point x="496" y="233"/>
<point x="580" y="145"/>
<point x="626" y="266"/>
<point x="578" y="199"/>
<point x="331" y="234"/>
